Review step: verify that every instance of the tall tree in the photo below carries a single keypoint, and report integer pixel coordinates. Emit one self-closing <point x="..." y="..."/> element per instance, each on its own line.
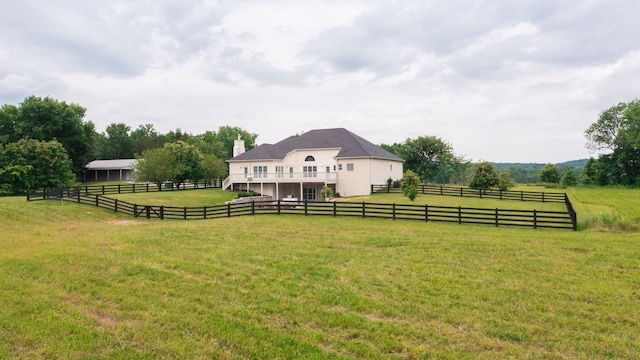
<point x="616" y="133"/>
<point x="190" y="159"/>
<point x="228" y="134"/>
<point x="427" y="156"/>
<point x="145" y="137"/>
<point x="8" y="118"/>
<point x="49" y="119"/>
<point x="30" y="164"/>
<point x="116" y="143"/>
<point x="157" y="166"/>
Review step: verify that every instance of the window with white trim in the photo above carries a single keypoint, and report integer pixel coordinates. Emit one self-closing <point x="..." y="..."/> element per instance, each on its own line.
<point x="349" y="167"/>
<point x="310" y="171"/>
<point x="291" y="172"/>
<point x="259" y="171"/>
<point x="279" y="171"/>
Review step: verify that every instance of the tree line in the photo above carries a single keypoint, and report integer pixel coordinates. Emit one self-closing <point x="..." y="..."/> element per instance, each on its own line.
<point x="47" y="143"/>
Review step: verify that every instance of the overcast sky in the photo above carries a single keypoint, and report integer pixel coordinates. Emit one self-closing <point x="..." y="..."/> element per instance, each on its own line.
<point x="500" y="80"/>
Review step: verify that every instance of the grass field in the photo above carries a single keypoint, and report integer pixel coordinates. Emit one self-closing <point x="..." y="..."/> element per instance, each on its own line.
<point x="80" y="282"/>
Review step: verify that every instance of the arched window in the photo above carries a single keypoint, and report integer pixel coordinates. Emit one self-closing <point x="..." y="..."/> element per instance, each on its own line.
<point x="309" y="158"/>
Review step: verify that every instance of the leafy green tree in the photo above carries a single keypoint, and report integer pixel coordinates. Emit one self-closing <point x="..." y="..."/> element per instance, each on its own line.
<point x="588" y="175"/>
<point x="617" y="134"/>
<point x="209" y="143"/>
<point x="145" y="137"/>
<point x="48" y="119"/>
<point x="549" y="174"/>
<point x="34" y="164"/>
<point x="427" y="156"/>
<point x="409" y="184"/>
<point x="157" y="166"/>
<point x="569" y="178"/>
<point x="14" y="179"/>
<point x="228" y="134"/>
<point x="214" y="167"/>
<point x="483" y="176"/>
<point x="8" y="117"/>
<point x="190" y="159"/>
<point x="505" y="181"/>
<point x="116" y="143"/>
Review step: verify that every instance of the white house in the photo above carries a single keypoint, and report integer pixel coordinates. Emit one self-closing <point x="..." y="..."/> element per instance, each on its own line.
<point x="299" y="166"/>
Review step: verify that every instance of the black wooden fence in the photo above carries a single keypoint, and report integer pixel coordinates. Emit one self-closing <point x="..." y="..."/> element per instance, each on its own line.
<point x="44" y="194"/>
<point x="483" y="194"/>
<point x="460" y="215"/>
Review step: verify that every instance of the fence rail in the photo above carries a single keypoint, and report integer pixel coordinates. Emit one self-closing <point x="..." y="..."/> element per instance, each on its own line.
<point x="44" y="194"/>
<point x="461" y="215"/>
<point x="482" y="194"/>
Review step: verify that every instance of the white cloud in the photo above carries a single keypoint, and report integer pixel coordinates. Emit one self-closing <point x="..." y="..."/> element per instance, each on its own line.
<point x="500" y="80"/>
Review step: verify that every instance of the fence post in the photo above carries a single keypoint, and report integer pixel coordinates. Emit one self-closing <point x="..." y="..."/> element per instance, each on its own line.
<point x="102" y="189"/>
<point x="229" y="210"/>
<point x="204" y="211"/>
<point x="335" y="213"/>
<point x="133" y="188"/>
<point x="535" y="219"/>
<point x="496" y="217"/>
<point x="426" y="213"/>
<point x="78" y="195"/>
<point x="161" y="212"/>
<point x="278" y="206"/>
<point x="119" y="188"/>
<point x="394" y="211"/>
<point x="184" y="213"/>
<point x="147" y="186"/>
<point x="459" y="215"/>
<point x="574" y="220"/>
<point x="97" y="202"/>
<point x="363" y="209"/>
<point x="115" y="207"/>
<point x="135" y="210"/>
<point x="305" y="206"/>
<point x="28" y="193"/>
<point x="148" y="208"/>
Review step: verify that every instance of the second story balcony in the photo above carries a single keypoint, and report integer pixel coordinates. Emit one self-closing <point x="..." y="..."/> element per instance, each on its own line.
<point x="286" y="177"/>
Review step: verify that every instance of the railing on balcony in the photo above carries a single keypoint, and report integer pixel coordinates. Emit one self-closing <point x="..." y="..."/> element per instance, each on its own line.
<point x="273" y="177"/>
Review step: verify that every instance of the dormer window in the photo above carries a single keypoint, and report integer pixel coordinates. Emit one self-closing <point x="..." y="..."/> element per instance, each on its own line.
<point x="309" y="158"/>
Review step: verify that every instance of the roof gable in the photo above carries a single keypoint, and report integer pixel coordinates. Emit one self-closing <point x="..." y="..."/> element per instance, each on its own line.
<point x="350" y="145"/>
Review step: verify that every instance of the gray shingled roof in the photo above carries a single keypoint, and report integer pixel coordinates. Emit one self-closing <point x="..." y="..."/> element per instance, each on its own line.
<point x="111" y="164"/>
<point x="350" y="145"/>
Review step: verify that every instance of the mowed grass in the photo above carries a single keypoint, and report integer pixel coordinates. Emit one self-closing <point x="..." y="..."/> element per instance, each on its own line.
<point x="80" y="282"/>
<point x="197" y="197"/>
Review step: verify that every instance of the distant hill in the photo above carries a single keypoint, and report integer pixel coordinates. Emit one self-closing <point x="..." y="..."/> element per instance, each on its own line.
<point x="537" y="166"/>
<point x="527" y="173"/>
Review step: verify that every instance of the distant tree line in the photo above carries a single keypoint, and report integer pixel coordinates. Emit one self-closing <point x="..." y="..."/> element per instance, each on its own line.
<point x="47" y="143"/>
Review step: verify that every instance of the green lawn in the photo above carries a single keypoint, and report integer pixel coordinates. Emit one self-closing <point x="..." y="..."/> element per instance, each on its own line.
<point x="81" y="282"/>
